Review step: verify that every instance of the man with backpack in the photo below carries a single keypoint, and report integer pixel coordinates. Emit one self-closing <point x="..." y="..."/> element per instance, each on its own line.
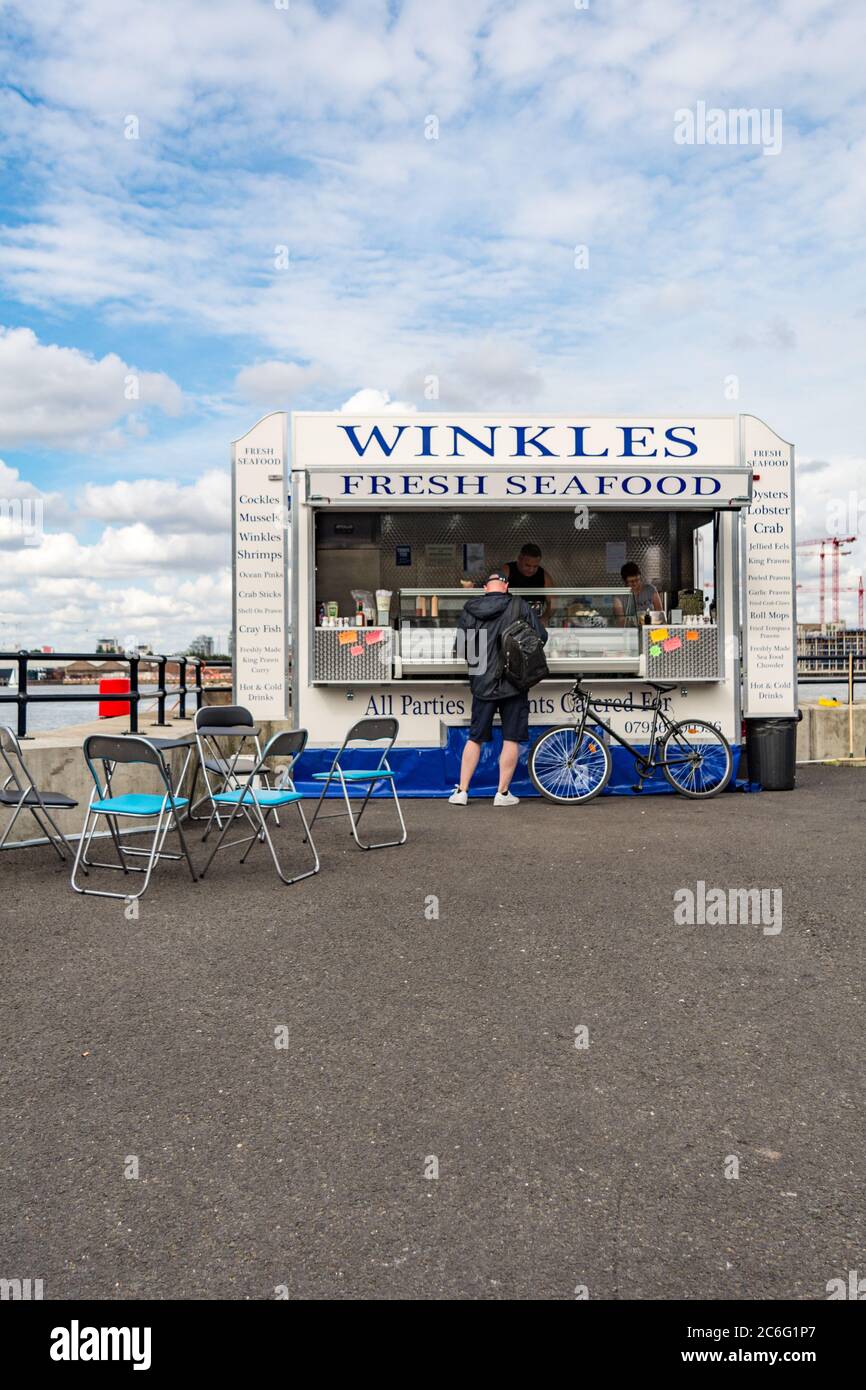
<point x="503" y="640"/>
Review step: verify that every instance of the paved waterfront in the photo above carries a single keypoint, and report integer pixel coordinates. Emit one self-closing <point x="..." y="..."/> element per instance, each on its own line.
<point x="411" y="1037"/>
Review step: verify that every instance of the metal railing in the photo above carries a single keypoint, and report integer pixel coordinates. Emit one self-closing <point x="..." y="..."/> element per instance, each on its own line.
<point x="24" y="695"/>
<point x="832" y="667"/>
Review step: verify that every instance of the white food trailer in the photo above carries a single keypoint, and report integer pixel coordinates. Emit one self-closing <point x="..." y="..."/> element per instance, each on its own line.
<point x="399" y="516"/>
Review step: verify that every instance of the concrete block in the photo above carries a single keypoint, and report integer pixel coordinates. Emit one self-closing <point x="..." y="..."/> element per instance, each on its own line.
<point x="827" y="731"/>
<point x="56" y="763"/>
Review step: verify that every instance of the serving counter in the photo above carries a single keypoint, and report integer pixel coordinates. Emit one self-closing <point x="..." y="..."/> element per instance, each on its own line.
<point x="682" y="652"/>
<point x="589" y="630"/>
<point x="353" y="656"/>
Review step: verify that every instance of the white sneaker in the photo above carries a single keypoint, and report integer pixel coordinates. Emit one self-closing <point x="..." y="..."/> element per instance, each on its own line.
<point x="505" y="799"/>
<point x="458" y="798"/>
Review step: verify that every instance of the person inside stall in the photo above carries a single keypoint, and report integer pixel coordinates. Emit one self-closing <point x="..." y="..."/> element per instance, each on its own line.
<point x="644" y="596"/>
<point x="527" y="572"/>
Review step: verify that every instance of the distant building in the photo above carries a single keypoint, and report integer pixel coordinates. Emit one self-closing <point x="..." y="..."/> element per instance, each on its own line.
<point x="108" y="644"/>
<point x="89" y="672"/>
<point x="201" y="646"/>
<point x="828" y="649"/>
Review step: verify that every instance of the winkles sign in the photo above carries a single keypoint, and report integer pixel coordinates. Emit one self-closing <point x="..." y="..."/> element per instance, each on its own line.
<point x="523" y="460"/>
<point x="333" y="440"/>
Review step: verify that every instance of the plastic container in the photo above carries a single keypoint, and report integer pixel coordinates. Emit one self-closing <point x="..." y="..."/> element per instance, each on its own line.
<point x="113" y="709"/>
<point x="383" y="607"/>
<point x="772" y="749"/>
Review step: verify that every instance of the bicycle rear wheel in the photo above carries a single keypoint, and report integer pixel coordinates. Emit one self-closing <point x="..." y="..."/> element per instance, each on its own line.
<point x="567" y="770"/>
<point x="696" y="758"/>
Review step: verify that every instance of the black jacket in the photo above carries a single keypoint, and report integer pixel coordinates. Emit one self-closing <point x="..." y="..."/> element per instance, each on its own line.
<point x="490" y="614"/>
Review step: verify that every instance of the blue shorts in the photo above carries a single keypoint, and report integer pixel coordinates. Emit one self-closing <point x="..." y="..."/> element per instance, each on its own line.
<point x="514" y="713"/>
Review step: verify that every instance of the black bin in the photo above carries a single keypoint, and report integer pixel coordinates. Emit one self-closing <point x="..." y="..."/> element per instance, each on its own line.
<point x="771" y="745"/>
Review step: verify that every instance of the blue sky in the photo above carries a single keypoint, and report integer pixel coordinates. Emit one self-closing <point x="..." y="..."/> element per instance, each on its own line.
<point x="307" y="127"/>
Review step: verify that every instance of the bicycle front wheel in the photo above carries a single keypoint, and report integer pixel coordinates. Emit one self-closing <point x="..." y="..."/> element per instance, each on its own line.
<point x="569" y="770"/>
<point x="696" y="758"/>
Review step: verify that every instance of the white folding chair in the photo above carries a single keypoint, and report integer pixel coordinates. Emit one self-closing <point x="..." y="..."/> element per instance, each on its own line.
<point x="137" y="806"/>
<point x="258" y="803"/>
<point x="20" y="792"/>
<point x="364" y="732"/>
<point x="220" y="734"/>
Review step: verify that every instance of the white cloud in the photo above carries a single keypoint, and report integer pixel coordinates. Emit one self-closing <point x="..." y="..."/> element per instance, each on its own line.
<point x="412" y="258"/>
<point x="371" y="401"/>
<point x="482" y="373"/>
<point x="163" y="505"/>
<point x="72" y="612"/>
<point x="119" y="552"/>
<point x="13" y="485"/>
<point x="61" y="396"/>
<point x="159" y="569"/>
<point x="277" y="383"/>
<point x="25" y="510"/>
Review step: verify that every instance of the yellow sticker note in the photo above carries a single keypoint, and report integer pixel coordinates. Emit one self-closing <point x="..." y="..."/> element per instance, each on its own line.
<point x="658" y="634"/>
<point x="347" y="636"/>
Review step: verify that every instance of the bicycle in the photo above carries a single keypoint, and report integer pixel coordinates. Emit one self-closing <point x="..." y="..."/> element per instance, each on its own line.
<point x="570" y="764"/>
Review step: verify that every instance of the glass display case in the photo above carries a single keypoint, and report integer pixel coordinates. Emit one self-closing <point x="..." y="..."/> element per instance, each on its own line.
<point x="591" y="629"/>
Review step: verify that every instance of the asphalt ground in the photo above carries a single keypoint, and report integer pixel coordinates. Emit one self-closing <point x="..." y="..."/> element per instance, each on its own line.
<point x="416" y="1040"/>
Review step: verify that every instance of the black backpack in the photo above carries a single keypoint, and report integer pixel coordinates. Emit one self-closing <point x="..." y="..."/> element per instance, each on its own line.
<point x="522" y="660"/>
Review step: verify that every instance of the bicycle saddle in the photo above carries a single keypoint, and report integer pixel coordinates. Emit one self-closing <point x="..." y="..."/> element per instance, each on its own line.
<point x="656" y="685"/>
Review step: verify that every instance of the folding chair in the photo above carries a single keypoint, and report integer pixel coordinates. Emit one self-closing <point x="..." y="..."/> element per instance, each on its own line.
<point x="258" y="803"/>
<point x="169" y="745"/>
<point x="365" y="731"/>
<point x="21" y="792"/>
<point x="221" y="768"/>
<point x="141" y="806"/>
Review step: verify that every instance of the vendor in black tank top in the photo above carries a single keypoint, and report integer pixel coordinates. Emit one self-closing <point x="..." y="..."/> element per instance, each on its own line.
<point x="527" y="572"/>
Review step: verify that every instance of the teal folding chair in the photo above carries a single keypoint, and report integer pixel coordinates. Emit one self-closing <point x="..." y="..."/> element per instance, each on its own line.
<point x="163" y="807"/>
<point x="364" y="732"/>
<point x="257" y="803"/>
<point x="220" y="733"/>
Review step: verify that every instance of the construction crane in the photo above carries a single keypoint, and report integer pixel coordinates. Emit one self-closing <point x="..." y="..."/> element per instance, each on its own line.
<point x="843" y="589"/>
<point x="835" y="543"/>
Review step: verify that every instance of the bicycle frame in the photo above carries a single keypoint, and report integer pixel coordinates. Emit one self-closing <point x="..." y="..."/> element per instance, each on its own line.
<point x="643" y="765"/>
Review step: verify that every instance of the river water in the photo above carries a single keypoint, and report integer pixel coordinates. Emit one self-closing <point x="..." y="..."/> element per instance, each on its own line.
<point x="42" y="718"/>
